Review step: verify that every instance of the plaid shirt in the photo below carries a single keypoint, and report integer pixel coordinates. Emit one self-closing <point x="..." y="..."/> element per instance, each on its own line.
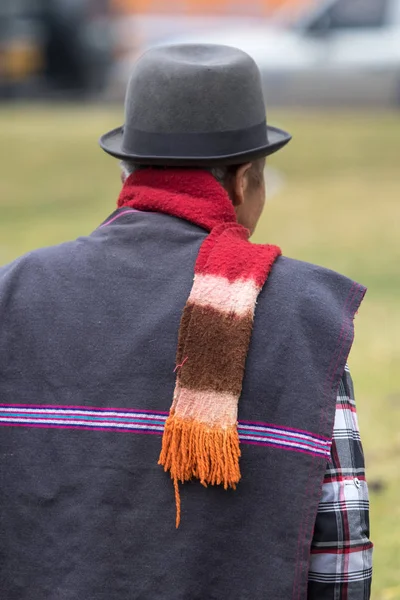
<point x="341" y="553"/>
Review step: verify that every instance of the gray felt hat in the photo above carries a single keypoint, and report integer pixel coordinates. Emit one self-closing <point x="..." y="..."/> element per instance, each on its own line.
<point x="197" y="104"/>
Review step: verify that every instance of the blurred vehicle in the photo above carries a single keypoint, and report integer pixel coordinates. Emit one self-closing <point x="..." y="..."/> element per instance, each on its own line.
<point x="50" y="46"/>
<point x="339" y="52"/>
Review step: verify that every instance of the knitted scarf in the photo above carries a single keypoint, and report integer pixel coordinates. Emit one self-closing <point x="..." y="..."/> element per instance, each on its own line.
<point x="200" y="438"/>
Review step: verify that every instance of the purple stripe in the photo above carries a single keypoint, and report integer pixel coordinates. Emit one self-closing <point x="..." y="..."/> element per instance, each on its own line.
<point x="282" y="439"/>
<point x="121" y="214"/>
<point x="62" y="420"/>
<point x="84" y="427"/>
<point x="157" y="414"/>
<point x="135" y="419"/>
<point x="146" y="424"/>
<point x="283" y="447"/>
<point x="300" y="431"/>
<point x="88" y="408"/>
<point x="151" y="432"/>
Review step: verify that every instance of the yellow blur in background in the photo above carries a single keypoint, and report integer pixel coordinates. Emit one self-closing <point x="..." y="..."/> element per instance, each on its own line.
<point x="20" y="60"/>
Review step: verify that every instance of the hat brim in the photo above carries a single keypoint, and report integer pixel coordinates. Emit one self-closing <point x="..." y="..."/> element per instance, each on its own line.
<point x="111" y="143"/>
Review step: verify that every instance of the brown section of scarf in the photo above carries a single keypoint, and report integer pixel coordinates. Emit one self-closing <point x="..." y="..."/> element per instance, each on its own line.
<point x="219" y="341"/>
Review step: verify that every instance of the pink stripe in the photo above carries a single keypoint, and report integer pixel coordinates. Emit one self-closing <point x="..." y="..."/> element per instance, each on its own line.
<point x="146" y="432"/>
<point x="329" y="479"/>
<point x="345" y="407"/>
<point x="130" y="425"/>
<point x="252" y="430"/>
<point x="126" y="212"/>
<point x="213" y="408"/>
<point x="60" y="415"/>
<point x="226" y="296"/>
<point x="142" y="431"/>
<point x="151" y="412"/>
<point x="44" y="426"/>
<point x="77" y="423"/>
<point x="92" y="408"/>
<point x="315" y="450"/>
<point x="310" y="453"/>
<point x="78" y="414"/>
<point x="300" y="431"/>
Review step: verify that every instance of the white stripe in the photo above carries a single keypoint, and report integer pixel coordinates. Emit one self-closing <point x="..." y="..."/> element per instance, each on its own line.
<point x="324" y="564"/>
<point x="238" y="297"/>
<point x="349" y="505"/>
<point x="300" y="436"/>
<point x="339" y="577"/>
<point x="348" y="435"/>
<point x="284" y="443"/>
<point x="98" y="413"/>
<point x="344" y="417"/>
<point x="92" y="424"/>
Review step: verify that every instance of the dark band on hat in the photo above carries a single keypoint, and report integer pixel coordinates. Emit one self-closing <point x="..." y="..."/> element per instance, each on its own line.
<point x="195" y="144"/>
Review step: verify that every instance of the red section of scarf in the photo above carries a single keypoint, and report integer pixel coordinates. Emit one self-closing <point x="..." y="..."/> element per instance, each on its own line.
<point x="189" y="194"/>
<point x="195" y="196"/>
<point x="228" y="253"/>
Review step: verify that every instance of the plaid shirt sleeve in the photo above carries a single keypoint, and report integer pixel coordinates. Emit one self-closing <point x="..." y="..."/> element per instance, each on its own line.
<point x="341" y="552"/>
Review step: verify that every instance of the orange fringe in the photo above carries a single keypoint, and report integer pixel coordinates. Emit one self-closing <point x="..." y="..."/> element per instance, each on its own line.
<point x="193" y="449"/>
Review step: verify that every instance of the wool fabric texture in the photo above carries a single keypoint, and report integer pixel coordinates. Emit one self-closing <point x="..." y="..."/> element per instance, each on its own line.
<point x="200" y="438"/>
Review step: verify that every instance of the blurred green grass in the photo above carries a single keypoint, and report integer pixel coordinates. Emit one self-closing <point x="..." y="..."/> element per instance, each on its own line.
<point x="339" y="207"/>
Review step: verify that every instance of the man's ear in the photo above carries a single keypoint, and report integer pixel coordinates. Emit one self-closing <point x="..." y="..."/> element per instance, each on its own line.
<point x="239" y="184"/>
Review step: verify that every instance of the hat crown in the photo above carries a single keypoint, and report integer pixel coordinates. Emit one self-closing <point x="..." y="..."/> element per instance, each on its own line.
<point x="194" y="88"/>
<point x="194" y="104"/>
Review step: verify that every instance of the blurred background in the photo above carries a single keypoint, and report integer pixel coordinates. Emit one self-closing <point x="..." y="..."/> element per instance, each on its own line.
<point x="331" y="76"/>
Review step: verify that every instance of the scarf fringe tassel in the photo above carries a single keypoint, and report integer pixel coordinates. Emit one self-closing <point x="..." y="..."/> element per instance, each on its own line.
<point x="193" y="449"/>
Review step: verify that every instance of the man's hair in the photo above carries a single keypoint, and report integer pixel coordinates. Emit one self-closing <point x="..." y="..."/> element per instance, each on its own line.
<point x="221" y="174"/>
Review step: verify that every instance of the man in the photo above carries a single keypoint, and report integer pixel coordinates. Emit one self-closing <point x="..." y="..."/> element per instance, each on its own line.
<point x="90" y="331"/>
